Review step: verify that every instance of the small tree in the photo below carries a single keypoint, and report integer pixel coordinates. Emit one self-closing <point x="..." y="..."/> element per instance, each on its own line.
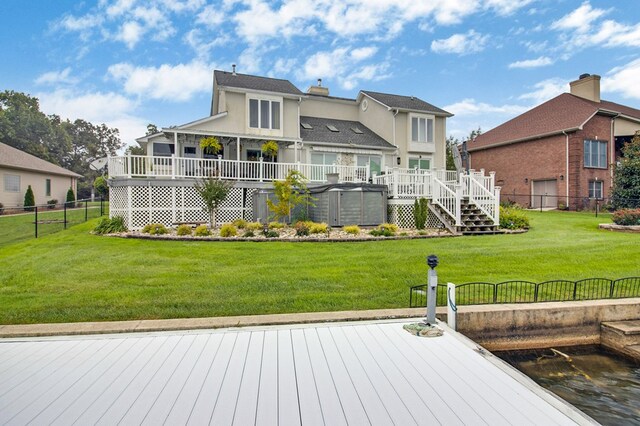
<point x="29" y="199"/>
<point x="100" y="185"/>
<point x="71" y="197"/>
<point x="626" y="176"/>
<point x="213" y="193"/>
<point x="420" y="212"/>
<point x="289" y="193"/>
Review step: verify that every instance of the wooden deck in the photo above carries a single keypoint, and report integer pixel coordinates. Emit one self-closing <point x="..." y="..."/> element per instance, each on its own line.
<point x="321" y="374"/>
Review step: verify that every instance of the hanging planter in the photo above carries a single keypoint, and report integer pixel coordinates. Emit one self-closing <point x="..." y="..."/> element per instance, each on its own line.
<point x="210" y="145"/>
<point x="270" y="149"/>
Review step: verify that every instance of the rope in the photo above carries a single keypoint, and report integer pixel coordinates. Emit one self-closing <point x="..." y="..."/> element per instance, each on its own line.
<point x="453" y="306"/>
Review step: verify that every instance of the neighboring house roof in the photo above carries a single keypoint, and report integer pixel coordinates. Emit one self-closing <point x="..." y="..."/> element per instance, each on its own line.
<point x="253" y="82"/>
<point x="409" y="103"/>
<point x="564" y="113"/>
<point x="14" y="158"/>
<point x="345" y="134"/>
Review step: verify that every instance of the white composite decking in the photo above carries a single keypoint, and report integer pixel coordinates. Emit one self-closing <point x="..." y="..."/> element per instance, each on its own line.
<point x="321" y="374"/>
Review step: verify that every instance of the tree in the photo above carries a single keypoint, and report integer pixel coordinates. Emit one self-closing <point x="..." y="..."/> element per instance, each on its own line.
<point x="71" y="198"/>
<point x="213" y="193"/>
<point x="453" y="142"/>
<point x="151" y="129"/>
<point x="626" y="176"/>
<point x="100" y="185"/>
<point x="29" y="199"/>
<point x="135" y="150"/>
<point x="290" y="193"/>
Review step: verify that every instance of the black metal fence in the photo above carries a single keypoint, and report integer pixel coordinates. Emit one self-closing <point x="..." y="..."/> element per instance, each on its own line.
<point x="543" y="201"/>
<point x="482" y="293"/>
<point x="18" y="223"/>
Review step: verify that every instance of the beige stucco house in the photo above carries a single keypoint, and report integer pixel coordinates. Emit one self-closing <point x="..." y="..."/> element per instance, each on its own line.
<point x="18" y="170"/>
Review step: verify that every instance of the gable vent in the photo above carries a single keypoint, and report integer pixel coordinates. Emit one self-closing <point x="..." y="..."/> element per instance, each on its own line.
<point x="332" y="128"/>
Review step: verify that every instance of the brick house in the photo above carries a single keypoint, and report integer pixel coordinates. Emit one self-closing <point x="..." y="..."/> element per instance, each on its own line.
<point x="560" y="153"/>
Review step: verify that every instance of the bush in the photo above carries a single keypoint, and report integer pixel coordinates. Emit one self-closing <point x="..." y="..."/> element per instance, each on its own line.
<point x="52" y="203"/>
<point x="351" y="229"/>
<point x="228" y="230"/>
<point x="29" y="200"/>
<point x="391" y="227"/>
<point x="319" y="228"/>
<point x="420" y="212"/>
<point x="271" y="233"/>
<point x="276" y="225"/>
<point x="248" y="234"/>
<point x="626" y="217"/>
<point x="183" y="230"/>
<point x="154" y="229"/>
<point x="1" y="208"/>
<point x="110" y="226"/>
<point x="239" y="223"/>
<point x="202" y="231"/>
<point x="384" y="230"/>
<point x="100" y="185"/>
<point x="513" y="218"/>
<point x="253" y="226"/>
<point x="71" y="198"/>
<point x="302" y="228"/>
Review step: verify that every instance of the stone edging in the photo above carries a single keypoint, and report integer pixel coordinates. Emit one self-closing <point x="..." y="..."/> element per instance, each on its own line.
<point x="620" y="228"/>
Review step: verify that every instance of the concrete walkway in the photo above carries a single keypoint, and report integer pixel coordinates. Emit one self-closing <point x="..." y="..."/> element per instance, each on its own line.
<point x="60" y="329"/>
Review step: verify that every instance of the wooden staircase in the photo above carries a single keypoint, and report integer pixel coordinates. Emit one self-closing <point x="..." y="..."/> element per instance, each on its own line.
<point x="474" y="221"/>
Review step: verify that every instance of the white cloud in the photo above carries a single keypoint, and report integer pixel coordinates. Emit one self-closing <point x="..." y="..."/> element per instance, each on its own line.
<point x="130" y="33"/>
<point x="461" y="44"/>
<point x="56" y="77"/>
<point x="545" y="90"/>
<point x="202" y="45"/>
<point x="82" y="23"/>
<point x="119" y="7"/>
<point x="542" y="61"/>
<point x="624" y="80"/>
<point x="470" y="114"/>
<point x="470" y="107"/>
<point x="179" y="6"/>
<point x="210" y="16"/>
<point x="363" y="53"/>
<point x="580" y="19"/>
<point x="506" y="7"/>
<point x="175" y="83"/>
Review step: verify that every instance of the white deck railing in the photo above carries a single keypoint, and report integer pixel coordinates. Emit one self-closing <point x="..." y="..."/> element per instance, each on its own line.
<point x="139" y="166"/>
<point x="448" y="196"/>
<point x="487" y="201"/>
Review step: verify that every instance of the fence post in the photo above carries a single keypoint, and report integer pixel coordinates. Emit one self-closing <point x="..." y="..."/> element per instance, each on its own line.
<point x="541" y="202"/>
<point x="597" y="207"/>
<point x="174" y="165"/>
<point x="65" y="214"/>
<point x="452" y="309"/>
<point x="261" y="171"/>
<point x="35" y="222"/>
<point x="396" y="176"/>
<point x="101" y="206"/>
<point x="128" y="165"/>
<point x="432" y="287"/>
<point x="86" y="210"/>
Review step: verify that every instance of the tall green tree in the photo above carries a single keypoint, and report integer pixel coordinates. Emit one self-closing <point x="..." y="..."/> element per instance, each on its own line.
<point x="626" y="176"/>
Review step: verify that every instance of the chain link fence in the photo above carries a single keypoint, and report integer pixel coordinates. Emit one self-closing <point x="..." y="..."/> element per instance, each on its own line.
<point x="19" y="223"/>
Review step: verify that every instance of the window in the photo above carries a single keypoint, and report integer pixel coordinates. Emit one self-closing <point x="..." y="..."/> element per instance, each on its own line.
<point x="595" y="154"/>
<point x="375" y="163"/>
<point x="264" y="114"/>
<point x="324" y="158"/>
<point x="12" y="183"/>
<point x="163" y="149"/>
<point x="332" y="128"/>
<point x="47" y="187"/>
<point x="420" y="163"/>
<point x="595" y="189"/>
<point x="421" y="129"/>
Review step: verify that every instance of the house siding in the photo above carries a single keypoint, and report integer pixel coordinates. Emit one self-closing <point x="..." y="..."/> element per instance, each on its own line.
<point x="59" y="187"/>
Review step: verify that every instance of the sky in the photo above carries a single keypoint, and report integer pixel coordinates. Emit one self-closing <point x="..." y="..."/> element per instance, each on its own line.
<point x="128" y="63"/>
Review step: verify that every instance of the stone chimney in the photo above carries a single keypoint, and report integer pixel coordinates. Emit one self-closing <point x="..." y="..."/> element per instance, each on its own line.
<point x="319" y="89"/>
<point x="587" y="86"/>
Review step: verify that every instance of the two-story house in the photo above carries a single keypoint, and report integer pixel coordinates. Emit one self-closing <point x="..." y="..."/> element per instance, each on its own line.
<point x="376" y="138"/>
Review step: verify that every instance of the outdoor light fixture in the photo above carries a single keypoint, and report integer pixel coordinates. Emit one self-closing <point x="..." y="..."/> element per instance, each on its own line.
<point x="526" y="180"/>
<point x="398" y="161"/>
<point x="561" y="177"/>
<point x="432" y="261"/>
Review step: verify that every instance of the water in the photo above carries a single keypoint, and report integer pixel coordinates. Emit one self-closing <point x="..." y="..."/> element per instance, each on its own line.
<point x="601" y="384"/>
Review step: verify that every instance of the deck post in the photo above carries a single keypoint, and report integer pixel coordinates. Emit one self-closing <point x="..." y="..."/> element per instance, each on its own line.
<point x="452" y="309"/>
<point x="174" y="164"/>
<point x="261" y="171"/>
<point x="458" y="205"/>
<point x="395" y="182"/>
<point x="368" y="171"/>
<point x="496" y="193"/>
<point x="128" y="164"/>
<point x="432" y="287"/>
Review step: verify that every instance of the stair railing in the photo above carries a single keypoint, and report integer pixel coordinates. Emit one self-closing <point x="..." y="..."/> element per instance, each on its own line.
<point x="487" y="201"/>
<point x="447" y="199"/>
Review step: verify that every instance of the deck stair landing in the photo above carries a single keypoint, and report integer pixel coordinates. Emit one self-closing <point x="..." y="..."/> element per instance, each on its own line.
<point x="622" y="336"/>
<point x="474" y="221"/>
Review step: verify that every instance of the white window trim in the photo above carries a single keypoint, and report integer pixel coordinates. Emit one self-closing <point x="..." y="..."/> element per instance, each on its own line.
<point x="4" y="182"/>
<point x="606" y="149"/>
<point x="424" y="157"/>
<point x="410" y="128"/>
<point x="259" y="130"/>
<point x="596" y="183"/>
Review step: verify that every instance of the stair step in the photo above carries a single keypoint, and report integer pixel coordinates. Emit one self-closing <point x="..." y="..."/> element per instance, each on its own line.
<point x="628" y="328"/>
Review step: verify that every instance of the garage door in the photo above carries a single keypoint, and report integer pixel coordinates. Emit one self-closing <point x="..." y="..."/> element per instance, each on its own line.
<point x="545" y="192"/>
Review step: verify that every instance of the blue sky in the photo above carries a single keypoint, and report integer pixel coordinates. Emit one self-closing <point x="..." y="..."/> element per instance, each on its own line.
<point x="132" y="62"/>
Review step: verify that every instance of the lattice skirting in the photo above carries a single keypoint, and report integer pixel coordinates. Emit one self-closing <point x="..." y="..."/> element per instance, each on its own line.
<point x="141" y="205"/>
<point x="400" y="212"/>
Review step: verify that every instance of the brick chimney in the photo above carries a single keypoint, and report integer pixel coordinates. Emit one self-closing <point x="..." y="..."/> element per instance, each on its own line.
<point x="587" y="86"/>
<point x="319" y="89"/>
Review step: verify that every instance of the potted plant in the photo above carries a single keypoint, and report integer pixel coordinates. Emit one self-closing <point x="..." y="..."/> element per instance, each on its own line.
<point x="270" y="149"/>
<point x="210" y="145"/>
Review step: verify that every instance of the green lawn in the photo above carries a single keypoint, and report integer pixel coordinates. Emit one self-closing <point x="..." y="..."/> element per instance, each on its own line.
<point x="75" y="276"/>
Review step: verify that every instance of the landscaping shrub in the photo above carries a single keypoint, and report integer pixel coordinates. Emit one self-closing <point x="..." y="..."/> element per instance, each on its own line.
<point x="228" y="230"/>
<point x="239" y="223"/>
<point x="52" y="203"/>
<point x="253" y="226"/>
<point x="110" y="226"/>
<point x="302" y="228"/>
<point x="202" y="231"/>
<point x="1" y="208"/>
<point x="271" y="233"/>
<point x="513" y="218"/>
<point x="420" y="212"/>
<point x="276" y="225"/>
<point x="154" y="229"/>
<point x="384" y="230"/>
<point x="71" y="198"/>
<point x="319" y="228"/>
<point x="392" y="227"/>
<point x="29" y="200"/>
<point x="248" y="234"/>
<point x="183" y="230"/>
<point x="351" y="229"/>
<point x="626" y="217"/>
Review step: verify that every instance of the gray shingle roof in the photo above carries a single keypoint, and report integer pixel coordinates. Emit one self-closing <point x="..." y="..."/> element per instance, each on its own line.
<point x="254" y="82"/>
<point x="405" y="102"/>
<point x="344" y="136"/>
<point x="13" y="157"/>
